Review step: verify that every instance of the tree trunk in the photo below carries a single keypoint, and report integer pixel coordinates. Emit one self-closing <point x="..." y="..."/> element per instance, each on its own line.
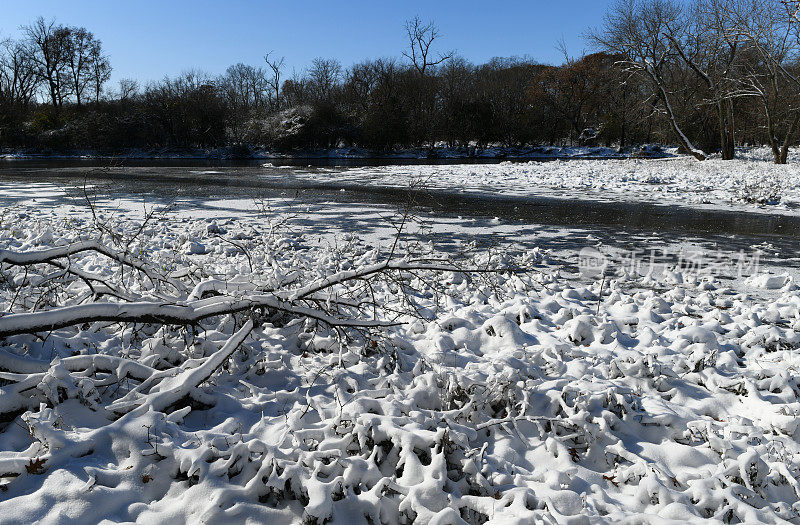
<point x="623" y="117"/>
<point x="726" y="134"/>
<point x="683" y="139"/>
<point x="787" y="139"/>
<point x="53" y="93"/>
<point x="731" y="144"/>
<point x="773" y="141"/>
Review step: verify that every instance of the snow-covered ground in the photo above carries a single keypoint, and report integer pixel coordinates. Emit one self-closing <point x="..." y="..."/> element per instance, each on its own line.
<point x="554" y="395"/>
<point x="750" y="183"/>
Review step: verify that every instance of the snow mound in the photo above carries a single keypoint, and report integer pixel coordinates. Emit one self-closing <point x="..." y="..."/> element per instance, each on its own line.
<point x="768" y="282"/>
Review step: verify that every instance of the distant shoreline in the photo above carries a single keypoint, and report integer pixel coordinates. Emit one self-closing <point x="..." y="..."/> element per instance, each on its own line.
<point x="434" y="154"/>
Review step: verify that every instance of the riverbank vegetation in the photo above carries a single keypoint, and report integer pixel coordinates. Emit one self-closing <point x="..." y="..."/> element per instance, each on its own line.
<point x="708" y="77"/>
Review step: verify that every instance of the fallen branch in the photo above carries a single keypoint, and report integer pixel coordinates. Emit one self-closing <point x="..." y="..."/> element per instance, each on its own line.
<point x="172" y="390"/>
<point x="164" y="313"/>
<point x="98" y="362"/>
<point x="49" y="255"/>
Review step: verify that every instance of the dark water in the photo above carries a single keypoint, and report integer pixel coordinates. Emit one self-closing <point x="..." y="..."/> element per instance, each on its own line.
<point x="313" y="162"/>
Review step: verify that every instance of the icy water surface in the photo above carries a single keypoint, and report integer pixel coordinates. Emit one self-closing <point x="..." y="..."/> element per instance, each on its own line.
<point x="203" y="179"/>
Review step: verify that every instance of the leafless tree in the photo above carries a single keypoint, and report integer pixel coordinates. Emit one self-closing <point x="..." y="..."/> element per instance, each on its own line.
<point x="574" y="91"/>
<point x="421" y="37"/>
<point x="246" y="87"/>
<point x="324" y="75"/>
<point x="360" y="82"/>
<point x="69" y="59"/>
<point x="50" y="46"/>
<point x="100" y="68"/>
<point x="275" y="65"/>
<point x="18" y="75"/>
<point x="771" y="30"/>
<point x="78" y="57"/>
<point x="710" y="47"/>
<point x="128" y="88"/>
<point x="246" y="91"/>
<point x="636" y="30"/>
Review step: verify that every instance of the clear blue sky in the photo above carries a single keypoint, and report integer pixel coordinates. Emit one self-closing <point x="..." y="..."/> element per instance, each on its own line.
<point x="148" y="39"/>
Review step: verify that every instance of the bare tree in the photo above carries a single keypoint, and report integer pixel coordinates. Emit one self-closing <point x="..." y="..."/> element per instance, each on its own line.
<point x="275" y="65"/>
<point x="246" y="87"/>
<point x="709" y="47"/>
<point x="636" y="29"/>
<point x="771" y="30"/>
<point x="128" y="88"/>
<point x="78" y="56"/>
<point x="18" y="75"/>
<point x="100" y="68"/>
<point x="69" y="59"/>
<point x="324" y="75"/>
<point x="49" y="44"/>
<point x="360" y="82"/>
<point x="246" y="90"/>
<point x="421" y="37"/>
<point x="574" y="91"/>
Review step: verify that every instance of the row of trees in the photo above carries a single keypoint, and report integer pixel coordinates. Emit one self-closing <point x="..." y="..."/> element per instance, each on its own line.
<point x="730" y="57"/>
<point x="709" y="76"/>
<point x="67" y="63"/>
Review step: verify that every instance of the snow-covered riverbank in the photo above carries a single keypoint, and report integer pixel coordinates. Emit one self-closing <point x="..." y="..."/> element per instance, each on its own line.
<point x="666" y="397"/>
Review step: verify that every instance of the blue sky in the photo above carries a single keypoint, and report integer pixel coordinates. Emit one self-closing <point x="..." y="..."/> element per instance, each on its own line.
<point x="148" y="39"/>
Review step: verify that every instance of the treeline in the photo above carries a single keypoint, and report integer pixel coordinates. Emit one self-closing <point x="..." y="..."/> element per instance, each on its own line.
<point x="709" y="77"/>
<point x="728" y="66"/>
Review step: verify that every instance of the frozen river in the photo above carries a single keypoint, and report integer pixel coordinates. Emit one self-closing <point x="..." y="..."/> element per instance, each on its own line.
<point x="331" y="200"/>
<point x="199" y="181"/>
